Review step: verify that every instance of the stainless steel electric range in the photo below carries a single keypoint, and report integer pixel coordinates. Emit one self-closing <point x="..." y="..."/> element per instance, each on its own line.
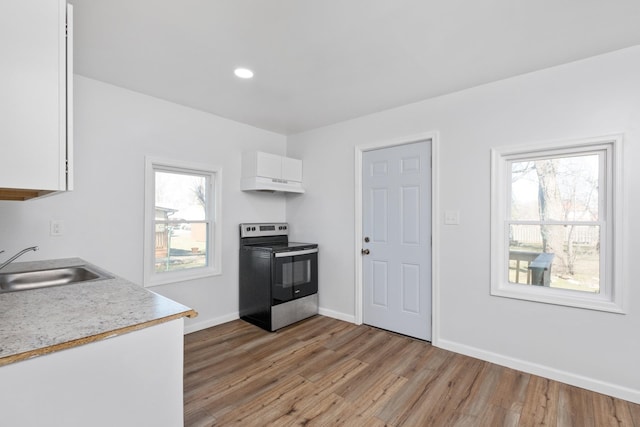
<point x="278" y="278"/>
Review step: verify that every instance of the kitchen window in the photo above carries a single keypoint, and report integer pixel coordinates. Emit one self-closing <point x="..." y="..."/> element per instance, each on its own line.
<point x="556" y="234"/>
<point x="182" y="221"/>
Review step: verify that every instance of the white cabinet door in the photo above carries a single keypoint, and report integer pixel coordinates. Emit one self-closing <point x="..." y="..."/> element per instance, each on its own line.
<point x="268" y="165"/>
<point x="291" y="169"/>
<point x="33" y="95"/>
<point x="132" y="379"/>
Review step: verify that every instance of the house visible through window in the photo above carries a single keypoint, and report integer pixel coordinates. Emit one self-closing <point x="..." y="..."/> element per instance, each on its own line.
<point x="181" y="226"/>
<point x="555" y="237"/>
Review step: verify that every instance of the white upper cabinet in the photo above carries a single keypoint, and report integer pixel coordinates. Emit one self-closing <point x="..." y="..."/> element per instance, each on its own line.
<point x="270" y="172"/>
<point x="36" y="98"/>
<point x="291" y="169"/>
<point x="264" y="164"/>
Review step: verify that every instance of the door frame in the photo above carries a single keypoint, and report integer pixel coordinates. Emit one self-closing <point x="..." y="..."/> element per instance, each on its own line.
<point x="359" y="291"/>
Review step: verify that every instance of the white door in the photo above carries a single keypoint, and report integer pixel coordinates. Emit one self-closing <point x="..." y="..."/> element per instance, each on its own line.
<point x="396" y="194"/>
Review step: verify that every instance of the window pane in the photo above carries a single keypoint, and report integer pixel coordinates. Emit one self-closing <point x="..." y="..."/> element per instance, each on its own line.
<point x="181" y="241"/>
<point x="558" y="256"/>
<point x="181" y="246"/>
<point x="559" y="189"/>
<point x="180" y="196"/>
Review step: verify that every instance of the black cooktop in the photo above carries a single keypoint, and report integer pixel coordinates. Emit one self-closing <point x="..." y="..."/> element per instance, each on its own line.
<point x="281" y="247"/>
<point x="271" y="237"/>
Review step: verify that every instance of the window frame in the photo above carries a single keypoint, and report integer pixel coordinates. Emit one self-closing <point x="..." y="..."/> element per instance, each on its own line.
<point x="612" y="283"/>
<point x="213" y="214"/>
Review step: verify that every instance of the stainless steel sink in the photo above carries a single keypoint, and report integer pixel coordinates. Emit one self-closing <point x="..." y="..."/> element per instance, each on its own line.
<point x="22" y="281"/>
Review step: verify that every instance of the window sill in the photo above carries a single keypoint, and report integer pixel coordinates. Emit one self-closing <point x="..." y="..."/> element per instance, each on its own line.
<point x="556" y="296"/>
<point x="180" y="276"/>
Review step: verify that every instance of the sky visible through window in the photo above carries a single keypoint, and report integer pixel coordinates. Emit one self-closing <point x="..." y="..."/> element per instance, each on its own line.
<point x="180" y="192"/>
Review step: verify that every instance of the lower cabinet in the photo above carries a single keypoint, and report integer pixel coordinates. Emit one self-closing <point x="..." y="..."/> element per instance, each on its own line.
<point x="134" y="379"/>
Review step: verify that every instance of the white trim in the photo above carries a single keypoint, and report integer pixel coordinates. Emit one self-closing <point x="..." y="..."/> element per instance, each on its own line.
<point x="62" y="94"/>
<point x="435" y="240"/>
<point x="614" y="284"/>
<point x="337" y="315"/>
<point x="543" y="371"/>
<point x="191" y="327"/>
<point x="435" y="293"/>
<point x="151" y="279"/>
<point x="68" y="183"/>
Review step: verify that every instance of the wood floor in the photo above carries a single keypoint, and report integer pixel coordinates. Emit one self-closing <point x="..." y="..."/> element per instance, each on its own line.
<point x="324" y="372"/>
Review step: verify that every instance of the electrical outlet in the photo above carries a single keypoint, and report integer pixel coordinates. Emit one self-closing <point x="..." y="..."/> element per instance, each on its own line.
<point x="55" y="228"/>
<point x="452" y="217"/>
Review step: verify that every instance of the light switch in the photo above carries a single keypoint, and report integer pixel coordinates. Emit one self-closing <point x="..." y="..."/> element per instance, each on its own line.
<point x="452" y="217"/>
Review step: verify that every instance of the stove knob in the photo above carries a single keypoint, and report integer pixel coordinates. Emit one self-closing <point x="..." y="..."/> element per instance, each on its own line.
<point x="253" y="229"/>
<point x="284" y="228"/>
<point x="248" y="228"/>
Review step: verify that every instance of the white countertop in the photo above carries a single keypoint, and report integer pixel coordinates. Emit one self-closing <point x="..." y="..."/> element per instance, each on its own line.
<point x="40" y="321"/>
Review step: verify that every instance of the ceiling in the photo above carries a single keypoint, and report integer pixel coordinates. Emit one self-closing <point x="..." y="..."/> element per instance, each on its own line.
<point x="318" y="62"/>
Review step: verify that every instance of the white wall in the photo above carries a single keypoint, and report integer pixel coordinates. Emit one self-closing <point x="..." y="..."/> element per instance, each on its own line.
<point x="103" y="216"/>
<point x="594" y="97"/>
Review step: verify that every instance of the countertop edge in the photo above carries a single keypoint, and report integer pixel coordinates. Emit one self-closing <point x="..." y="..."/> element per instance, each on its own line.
<point x="93" y="338"/>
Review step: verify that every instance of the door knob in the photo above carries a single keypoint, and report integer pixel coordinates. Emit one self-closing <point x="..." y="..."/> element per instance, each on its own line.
<point x="365" y="252"/>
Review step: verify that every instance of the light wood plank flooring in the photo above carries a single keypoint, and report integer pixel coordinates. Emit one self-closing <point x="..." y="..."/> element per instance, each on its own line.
<point x="324" y="372"/>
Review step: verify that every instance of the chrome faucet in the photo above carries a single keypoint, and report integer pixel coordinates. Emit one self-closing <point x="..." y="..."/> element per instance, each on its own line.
<point x="13" y="258"/>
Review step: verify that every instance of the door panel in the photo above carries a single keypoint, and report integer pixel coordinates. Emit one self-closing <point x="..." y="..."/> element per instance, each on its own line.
<point x="410" y="165"/>
<point x="411" y="288"/>
<point x="380" y="284"/>
<point x="380" y="209"/>
<point x="410" y="215"/>
<point x="379" y="168"/>
<point x="396" y="188"/>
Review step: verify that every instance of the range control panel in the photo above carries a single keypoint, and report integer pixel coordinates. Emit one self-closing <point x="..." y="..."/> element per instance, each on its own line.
<point x="264" y="229"/>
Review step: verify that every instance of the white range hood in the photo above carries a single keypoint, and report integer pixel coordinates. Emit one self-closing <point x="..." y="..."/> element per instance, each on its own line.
<point x="270" y="172"/>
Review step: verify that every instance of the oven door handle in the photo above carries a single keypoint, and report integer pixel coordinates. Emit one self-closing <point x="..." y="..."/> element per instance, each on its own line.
<point x="296" y="253"/>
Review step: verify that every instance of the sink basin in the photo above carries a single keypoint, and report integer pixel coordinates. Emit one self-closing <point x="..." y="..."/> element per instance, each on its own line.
<point x="22" y="281"/>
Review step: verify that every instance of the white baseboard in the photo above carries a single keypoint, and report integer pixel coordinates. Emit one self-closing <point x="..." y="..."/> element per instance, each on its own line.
<point x="198" y="326"/>
<point x="543" y="371"/>
<point x="337" y="315"/>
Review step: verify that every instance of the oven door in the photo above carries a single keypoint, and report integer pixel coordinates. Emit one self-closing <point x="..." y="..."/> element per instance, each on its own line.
<point x="295" y="275"/>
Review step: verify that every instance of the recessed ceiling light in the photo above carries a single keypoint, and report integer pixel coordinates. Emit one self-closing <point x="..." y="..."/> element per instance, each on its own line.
<point x="243" y="73"/>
